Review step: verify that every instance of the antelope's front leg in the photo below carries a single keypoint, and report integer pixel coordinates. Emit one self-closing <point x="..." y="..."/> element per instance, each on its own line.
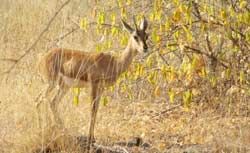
<point x="95" y="95"/>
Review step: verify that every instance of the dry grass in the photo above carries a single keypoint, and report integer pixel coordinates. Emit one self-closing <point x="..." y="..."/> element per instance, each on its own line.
<point x="119" y="121"/>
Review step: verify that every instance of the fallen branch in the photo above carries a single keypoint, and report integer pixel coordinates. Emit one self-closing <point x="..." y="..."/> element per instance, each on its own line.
<point x="167" y="110"/>
<point x="114" y="149"/>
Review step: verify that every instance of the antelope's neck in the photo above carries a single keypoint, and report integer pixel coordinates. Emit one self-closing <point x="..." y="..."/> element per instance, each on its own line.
<point x="126" y="59"/>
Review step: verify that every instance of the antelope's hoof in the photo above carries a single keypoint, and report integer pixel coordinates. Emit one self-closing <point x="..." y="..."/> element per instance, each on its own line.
<point x="92" y="141"/>
<point x="84" y="140"/>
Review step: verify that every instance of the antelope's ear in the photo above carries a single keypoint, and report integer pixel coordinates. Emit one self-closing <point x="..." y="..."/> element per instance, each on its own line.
<point x="144" y="24"/>
<point x="127" y="26"/>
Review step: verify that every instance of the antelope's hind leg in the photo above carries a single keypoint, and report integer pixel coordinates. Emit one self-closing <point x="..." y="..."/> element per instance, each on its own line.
<point x="41" y="99"/>
<point x="54" y="106"/>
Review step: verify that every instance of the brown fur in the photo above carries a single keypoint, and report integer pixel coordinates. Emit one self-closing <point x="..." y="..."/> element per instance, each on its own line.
<point x="80" y="65"/>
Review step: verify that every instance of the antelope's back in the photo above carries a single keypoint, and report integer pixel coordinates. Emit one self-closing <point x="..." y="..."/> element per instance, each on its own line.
<point x="64" y="61"/>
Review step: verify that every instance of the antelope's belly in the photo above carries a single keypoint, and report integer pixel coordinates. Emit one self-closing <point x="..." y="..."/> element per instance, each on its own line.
<point x="73" y="82"/>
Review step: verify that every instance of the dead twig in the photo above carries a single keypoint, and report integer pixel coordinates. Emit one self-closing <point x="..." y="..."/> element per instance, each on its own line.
<point x="66" y="34"/>
<point x="8" y="60"/>
<point x="166" y="111"/>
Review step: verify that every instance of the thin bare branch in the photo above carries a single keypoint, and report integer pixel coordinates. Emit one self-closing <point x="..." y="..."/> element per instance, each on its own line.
<point x="18" y="60"/>
<point x="8" y="60"/>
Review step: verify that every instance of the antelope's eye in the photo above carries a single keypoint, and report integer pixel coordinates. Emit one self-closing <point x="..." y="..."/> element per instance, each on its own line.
<point x="136" y="38"/>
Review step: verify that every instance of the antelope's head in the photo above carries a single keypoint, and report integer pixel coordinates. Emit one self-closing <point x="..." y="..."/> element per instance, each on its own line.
<point x="138" y="36"/>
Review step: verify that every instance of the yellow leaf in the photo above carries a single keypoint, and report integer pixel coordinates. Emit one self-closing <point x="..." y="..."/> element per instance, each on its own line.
<point x="105" y="100"/>
<point x="242" y="77"/>
<point x="187" y="98"/>
<point x="130" y="95"/>
<point x="155" y="36"/>
<point x="171" y="95"/>
<point x="124" y="40"/>
<point x="167" y="25"/>
<point x="129" y="2"/>
<point x="228" y="73"/>
<point x="195" y="61"/>
<point x="84" y="24"/>
<point x="172" y="75"/>
<point x="114" y="31"/>
<point x="164" y="71"/>
<point x="189" y="34"/>
<point x="149" y="61"/>
<point x="139" y="71"/>
<point x="176" y="35"/>
<point x="203" y="72"/>
<point x="76" y="93"/>
<point x="123" y="87"/>
<point x="98" y="48"/>
<point x="113" y="18"/>
<point x="123" y="12"/>
<point x="152" y="77"/>
<point x="177" y="15"/>
<point x="176" y="2"/>
<point x="223" y="14"/>
<point x="158" y="15"/>
<point x="243" y="4"/>
<point x="119" y="3"/>
<point x="112" y="88"/>
<point x="213" y="81"/>
<point x="157" y="91"/>
<point x="183" y="8"/>
<point x="76" y="100"/>
<point x="101" y="18"/>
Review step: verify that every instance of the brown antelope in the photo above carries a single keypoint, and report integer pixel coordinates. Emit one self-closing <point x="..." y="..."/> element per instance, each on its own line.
<point x="71" y="68"/>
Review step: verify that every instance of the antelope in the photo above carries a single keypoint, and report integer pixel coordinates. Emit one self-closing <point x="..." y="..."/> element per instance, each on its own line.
<point x="67" y="68"/>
